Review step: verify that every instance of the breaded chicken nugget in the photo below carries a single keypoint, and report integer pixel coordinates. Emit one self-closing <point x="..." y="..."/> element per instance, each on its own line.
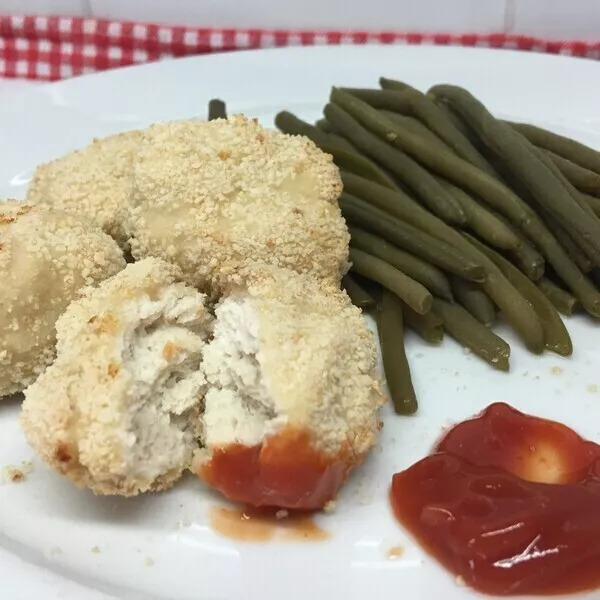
<point x="46" y="257"/>
<point x="293" y="397"/>
<point x="117" y="410"/>
<point x="94" y="182"/>
<point x="215" y="196"/>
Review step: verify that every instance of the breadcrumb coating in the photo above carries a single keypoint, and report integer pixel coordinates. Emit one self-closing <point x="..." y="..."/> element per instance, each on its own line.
<point x="94" y="182"/>
<point x="213" y="197"/>
<point x="46" y="257"/>
<point x="292" y="376"/>
<point x="316" y="356"/>
<point x="117" y="410"/>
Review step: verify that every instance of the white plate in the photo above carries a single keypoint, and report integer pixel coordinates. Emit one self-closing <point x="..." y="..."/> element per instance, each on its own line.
<point x="48" y="527"/>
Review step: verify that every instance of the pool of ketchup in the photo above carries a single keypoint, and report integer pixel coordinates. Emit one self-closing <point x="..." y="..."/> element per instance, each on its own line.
<point x="509" y="502"/>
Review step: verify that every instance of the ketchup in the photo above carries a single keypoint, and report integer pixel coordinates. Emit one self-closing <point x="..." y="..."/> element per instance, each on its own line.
<point x="285" y="471"/>
<point x="508" y="502"/>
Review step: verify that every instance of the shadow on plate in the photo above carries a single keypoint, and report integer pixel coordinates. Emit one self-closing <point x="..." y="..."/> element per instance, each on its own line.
<point x="62" y="499"/>
<point x="10" y="403"/>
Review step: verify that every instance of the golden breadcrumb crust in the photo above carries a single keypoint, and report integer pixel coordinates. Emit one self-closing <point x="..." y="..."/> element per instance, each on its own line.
<point x="94" y="182"/>
<point x="214" y="196"/>
<point x="46" y="257"/>
<point x="318" y="359"/>
<point x="82" y="414"/>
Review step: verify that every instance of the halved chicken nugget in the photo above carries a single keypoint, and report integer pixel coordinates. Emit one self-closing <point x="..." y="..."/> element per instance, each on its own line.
<point x="213" y="197"/>
<point x="118" y="410"/>
<point x="94" y="182"/>
<point x="46" y="257"/>
<point x="293" y="397"/>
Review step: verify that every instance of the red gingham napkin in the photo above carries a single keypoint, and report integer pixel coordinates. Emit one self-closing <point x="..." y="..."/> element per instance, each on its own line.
<point x="51" y="48"/>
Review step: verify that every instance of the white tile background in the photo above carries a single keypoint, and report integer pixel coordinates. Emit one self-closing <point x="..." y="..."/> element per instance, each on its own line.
<point x="555" y="19"/>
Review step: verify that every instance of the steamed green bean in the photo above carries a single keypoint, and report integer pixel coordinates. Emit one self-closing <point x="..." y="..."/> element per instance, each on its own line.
<point x="390" y="326"/>
<point x="469" y="332"/>
<point x="371" y="267"/>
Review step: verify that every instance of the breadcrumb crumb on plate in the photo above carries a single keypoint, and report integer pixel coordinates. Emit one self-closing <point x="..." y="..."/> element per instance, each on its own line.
<point x="117" y="411"/>
<point x="17" y="474"/>
<point x="212" y="197"/>
<point x="46" y="257"/>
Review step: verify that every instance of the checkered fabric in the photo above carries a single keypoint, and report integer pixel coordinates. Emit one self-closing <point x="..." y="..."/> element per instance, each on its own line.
<point x="51" y="48"/>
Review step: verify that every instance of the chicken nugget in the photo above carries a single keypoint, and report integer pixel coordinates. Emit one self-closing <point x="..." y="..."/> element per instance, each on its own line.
<point x="215" y="196"/>
<point x="117" y="411"/>
<point x="293" y="397"/>
<point x="94" y="182"/>
<point x="46" y="257"/>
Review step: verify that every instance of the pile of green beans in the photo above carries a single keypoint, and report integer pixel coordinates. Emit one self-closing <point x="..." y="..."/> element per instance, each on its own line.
<point x="456" y="216"/>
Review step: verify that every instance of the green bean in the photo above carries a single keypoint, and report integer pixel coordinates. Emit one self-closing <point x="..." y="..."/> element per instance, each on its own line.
<point x="415" y="126"/>
<point x="407" y="237"/>
<point x="417" y="104"/>
<point x="479" y="183"/>
<point x="593" y="202"/>
<point x="556" y="336"/>
<point x="291" y="124"/>
<point x="394" y="84"/>
<point x="483" y="221"/>
<point x="343" y="143"/>
<point x="428" y="326"/>
<point x="497" y="232"/>
<point x="216" y="109"/>
<point x="516" y="309"/>
<point x="390" y="327"/>
<point x="464" y="128"/>
<point x="398" y="204"/>
<point x="519" y="160"/>
<point x="410" y="172"/>
<point x="401" y="206"/>
<point x="371" y="267"/>
<point x="359" y="296"/>
<point x="579" y="247"/>
<point x="528" y="259"/>
<point x="561" y="299"/>
<point x="454" y="118"/>
<point x="580" y="241"/>
<point x="474" y="299"/>
<point x="576" y="152"/>
<point x="446" y="164"/>
<point x="567" y="242"/>
<point x="595" y="276"/>
<point x="583" y="179"/>
<point x="562" y="179"/>
<point x="394" y="202"/>
<point x="419" y="270"/>
<point x="343" y="154"/>
<point x="584" y="246"/>
<point x="371" y="287"/>
<point x="469" y="332"/>
<point x="361" y="165"/>
<point x="324" y="126"/>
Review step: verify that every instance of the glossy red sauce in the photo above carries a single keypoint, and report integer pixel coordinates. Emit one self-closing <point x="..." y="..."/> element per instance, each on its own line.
<point x="509" y="502"/>
<point x="284" y="471"/>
